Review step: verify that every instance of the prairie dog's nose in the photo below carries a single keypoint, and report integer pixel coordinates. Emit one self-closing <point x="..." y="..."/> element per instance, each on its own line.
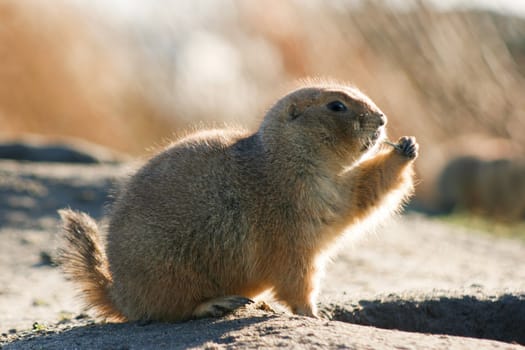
<point x="382" y="119"/>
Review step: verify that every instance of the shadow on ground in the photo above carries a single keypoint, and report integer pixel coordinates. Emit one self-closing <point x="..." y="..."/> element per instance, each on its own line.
<point x="499" y="318"/>
<point x="191" y="334"/>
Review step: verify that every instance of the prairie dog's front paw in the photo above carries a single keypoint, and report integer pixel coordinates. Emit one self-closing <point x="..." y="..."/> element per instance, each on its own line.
<point x="408" y="147"/>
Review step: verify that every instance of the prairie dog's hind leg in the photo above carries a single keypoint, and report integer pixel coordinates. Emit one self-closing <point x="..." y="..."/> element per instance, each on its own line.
<point x="220" y="306"/>
<point x="299" y="292"/>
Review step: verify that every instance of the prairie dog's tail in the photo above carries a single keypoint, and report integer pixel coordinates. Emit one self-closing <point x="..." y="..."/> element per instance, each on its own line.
<point x="83" y="260"/>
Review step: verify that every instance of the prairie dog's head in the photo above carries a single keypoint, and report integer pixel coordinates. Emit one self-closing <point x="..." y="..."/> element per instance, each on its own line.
<point x="331" y="120"/>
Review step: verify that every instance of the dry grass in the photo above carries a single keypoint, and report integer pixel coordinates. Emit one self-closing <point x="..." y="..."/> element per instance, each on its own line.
<point x="439" y="75"/>
<point x="56" y="78"/>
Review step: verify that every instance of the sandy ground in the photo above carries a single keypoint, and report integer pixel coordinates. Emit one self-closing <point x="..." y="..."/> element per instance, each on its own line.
<point x="415" y="283"/>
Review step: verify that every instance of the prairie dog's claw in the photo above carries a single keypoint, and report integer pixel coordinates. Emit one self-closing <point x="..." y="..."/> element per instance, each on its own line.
<point x="406" y="146"/>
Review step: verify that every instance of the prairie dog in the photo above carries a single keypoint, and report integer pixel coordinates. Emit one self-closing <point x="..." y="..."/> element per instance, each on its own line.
<point x="221" y="216"/>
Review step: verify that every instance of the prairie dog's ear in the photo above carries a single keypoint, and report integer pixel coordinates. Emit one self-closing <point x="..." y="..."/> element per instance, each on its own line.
<point x="293" y="111"/>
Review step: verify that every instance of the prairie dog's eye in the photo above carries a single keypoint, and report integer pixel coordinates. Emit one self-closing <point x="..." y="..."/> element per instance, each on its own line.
<point x="336" y="106"/>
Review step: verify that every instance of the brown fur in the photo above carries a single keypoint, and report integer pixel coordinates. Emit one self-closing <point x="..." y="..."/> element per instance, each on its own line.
<point x="222" y="213"/>
<point x="84" y="261"/>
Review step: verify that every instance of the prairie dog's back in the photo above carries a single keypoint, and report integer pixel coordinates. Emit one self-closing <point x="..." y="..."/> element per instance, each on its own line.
<point x="186" y="185"/>
<point x="163" y="218"/>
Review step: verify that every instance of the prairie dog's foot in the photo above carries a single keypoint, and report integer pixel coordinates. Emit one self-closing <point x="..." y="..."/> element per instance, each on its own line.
<point x="305" y="311"/>
<point x="220" y="306"/>
<point x="408" y="147"/>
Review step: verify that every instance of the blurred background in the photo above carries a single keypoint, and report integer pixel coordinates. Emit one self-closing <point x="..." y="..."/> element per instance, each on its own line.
<point x="130" y="74"/>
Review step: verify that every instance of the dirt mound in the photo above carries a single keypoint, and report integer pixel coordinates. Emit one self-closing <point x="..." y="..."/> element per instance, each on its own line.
<point x="245" y="329"/>
<point x="415" y="274"/>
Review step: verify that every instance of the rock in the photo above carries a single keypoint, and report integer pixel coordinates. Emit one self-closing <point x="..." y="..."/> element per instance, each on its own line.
<point x="37" y="149"/>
